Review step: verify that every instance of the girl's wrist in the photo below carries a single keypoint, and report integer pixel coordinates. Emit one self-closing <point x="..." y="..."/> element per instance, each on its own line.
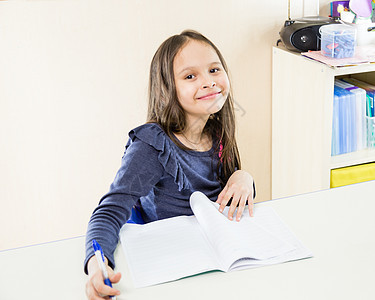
<point x="92" y="265"/>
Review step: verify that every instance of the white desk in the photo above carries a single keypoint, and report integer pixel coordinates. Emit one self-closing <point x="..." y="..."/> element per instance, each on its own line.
<point x="338" y="225"/>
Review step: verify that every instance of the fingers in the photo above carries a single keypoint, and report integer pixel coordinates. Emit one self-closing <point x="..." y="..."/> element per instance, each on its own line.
<point x="221" y="195"/>
<point x="241" y="208"/>
<point x="233" y="206"/>
<point x="91" y="293"/>
<point x="239" y="198"/>
<point x="96" y="289"/>
<point x="225" y="196"/>
<point x="104" y="289"/>
<point x="251" y="205"/>
<point x="115" y="277"/>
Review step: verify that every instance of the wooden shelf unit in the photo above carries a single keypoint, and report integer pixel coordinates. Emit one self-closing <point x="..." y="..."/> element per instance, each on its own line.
<point x="302" y="105"/>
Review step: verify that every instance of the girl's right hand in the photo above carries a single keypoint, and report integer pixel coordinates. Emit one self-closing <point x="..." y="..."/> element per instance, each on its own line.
<point x="95" y="287"/>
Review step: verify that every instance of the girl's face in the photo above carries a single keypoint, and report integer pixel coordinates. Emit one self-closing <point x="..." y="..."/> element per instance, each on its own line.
<point x="201" y="82"/>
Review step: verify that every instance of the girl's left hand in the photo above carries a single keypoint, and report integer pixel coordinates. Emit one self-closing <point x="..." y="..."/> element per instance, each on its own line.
<point x="240" y="188"/>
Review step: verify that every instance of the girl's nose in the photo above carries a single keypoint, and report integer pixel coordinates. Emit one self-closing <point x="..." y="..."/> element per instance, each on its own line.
<point x="209" y="84"/>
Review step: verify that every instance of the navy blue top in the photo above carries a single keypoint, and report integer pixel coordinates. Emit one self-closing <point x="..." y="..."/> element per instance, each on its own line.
<point x="158" y="177"/>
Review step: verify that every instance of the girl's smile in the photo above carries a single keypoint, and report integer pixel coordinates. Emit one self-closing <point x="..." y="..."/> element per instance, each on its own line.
<point x="209" y="96"/>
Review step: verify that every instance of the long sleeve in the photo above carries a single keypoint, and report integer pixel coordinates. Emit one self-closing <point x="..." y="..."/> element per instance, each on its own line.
<point x="139" y="172"/>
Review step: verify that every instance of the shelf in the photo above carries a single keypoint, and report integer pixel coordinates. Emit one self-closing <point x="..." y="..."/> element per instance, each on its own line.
<point x="363" y="68"/>
<point x="302" y="109"/>
<point x="353" y="158"/>
<point x="337" y="71"/>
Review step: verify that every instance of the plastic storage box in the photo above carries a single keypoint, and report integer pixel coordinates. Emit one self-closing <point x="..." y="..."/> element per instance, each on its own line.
<point x="352" y="174"/>
<point x="338" y="40"/>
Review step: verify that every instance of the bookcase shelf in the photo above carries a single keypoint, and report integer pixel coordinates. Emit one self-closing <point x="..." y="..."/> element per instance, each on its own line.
<point x="302" y="107"/>
<point x="352" y="158"/>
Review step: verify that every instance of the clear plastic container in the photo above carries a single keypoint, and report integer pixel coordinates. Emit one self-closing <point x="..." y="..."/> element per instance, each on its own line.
<point x="338" y="40"/>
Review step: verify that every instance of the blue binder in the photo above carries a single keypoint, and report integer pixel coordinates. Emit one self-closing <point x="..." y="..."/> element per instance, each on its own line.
<point x="360" y="112"/>
<point x="344" y="102"/>
<point x="335" y="141"/>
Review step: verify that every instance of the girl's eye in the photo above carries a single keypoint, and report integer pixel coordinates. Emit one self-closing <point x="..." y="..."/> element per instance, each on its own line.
<point x="189" y="77"/>
<point x="214" y="70"/>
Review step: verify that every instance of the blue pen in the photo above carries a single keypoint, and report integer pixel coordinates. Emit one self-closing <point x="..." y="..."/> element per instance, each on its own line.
<point x="100" y="257"/>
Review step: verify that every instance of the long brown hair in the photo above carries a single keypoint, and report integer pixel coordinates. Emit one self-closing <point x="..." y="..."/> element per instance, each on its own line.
<point x="165" y="109"/>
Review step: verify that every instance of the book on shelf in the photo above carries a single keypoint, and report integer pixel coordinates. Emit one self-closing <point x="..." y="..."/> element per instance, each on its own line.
<point x="353" y="118"/>
<point x="183" y="246"/>
<point x="370" y="94"/>
<point x="360" y="112"/>
<point x="343" y="128"/>
<point x="349" y="118"/>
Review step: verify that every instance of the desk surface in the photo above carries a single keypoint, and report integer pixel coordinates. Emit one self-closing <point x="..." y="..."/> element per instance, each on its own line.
<point x="338" y="226"/>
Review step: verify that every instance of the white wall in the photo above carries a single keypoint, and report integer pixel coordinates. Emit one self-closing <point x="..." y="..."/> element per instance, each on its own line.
<point x="73" y="82"/>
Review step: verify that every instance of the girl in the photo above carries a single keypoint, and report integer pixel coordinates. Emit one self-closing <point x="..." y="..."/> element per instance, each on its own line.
<point x="187" y="144"/>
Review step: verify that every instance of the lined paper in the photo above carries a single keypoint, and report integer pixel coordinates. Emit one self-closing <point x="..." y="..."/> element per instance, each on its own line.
<point x="166" y="250"/>
<point x="178" y="247"/>
<point x="235" y="240"/>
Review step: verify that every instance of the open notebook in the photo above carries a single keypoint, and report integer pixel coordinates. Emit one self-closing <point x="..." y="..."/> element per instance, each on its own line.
<point x="182" y="246"/>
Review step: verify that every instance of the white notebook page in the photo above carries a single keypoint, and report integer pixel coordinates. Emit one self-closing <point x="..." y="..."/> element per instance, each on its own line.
<point x="234" y="240"/>
<point x="166" y="250"/>
<point x="270" y="221"/>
